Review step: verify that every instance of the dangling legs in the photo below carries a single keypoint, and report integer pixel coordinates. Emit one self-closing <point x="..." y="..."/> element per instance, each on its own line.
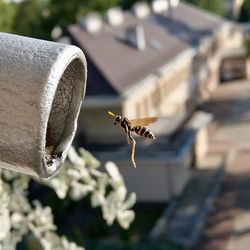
<point x="132" y="142"/>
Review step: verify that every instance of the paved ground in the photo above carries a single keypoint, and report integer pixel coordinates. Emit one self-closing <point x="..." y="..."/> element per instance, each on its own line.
<point x="228" y="226"/>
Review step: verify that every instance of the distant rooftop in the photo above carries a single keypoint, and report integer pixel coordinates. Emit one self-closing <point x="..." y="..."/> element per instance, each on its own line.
<point x="115" y="65"/>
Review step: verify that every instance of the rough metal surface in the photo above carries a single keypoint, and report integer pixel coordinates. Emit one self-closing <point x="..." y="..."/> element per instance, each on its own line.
<point x="42" y="85"/>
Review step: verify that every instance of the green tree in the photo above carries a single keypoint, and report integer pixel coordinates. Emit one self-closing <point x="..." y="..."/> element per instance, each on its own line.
<point x="37" y="18"/>
<point x="247" y="5"/>
<point x="215" y="6"/>
<point x="245" y="12"/>
<point x="65" y="12"/>
<point x="127" y="4"/>
<point x="247" y="45"/>
<point x="97" y="5"/>
<point x="28" y="19"/>
<point x="7" y="14"/>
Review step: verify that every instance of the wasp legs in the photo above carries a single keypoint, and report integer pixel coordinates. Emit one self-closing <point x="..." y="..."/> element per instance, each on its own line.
<point x="132" y="142"/>
<point x="129" y="138"/>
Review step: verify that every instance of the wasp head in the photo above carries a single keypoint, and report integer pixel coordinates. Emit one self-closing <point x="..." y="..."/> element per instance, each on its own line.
<point x="117" y="120"/>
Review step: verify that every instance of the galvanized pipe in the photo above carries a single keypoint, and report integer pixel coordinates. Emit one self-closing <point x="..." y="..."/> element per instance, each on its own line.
<point x="42" y="85"/>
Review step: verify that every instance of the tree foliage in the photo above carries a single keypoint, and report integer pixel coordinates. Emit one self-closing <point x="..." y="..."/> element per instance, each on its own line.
<point x="247" y="5"/>
<point x="7" y="14"/>
<point x="37" y="18"/>
<point x="64" y="12"/>
<point x="127" y="4"/>
<point x="214" y="6"/>
<point x="247" y="45"/>
<point x="29" y="18"/>
<point x="245" y="12"/>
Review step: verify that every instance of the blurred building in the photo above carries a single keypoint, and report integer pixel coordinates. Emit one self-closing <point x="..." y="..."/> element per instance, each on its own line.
<point x="160" y="60"/>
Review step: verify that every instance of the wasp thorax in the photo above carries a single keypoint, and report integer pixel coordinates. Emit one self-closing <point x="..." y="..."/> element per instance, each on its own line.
<point x="117" y="119"/>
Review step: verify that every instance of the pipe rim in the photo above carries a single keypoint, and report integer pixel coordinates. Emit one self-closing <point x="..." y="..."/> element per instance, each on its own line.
<point x="70" y="67"/>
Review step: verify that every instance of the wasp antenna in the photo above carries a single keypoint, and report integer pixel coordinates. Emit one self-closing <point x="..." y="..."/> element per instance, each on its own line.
<point x="110" y="113"/>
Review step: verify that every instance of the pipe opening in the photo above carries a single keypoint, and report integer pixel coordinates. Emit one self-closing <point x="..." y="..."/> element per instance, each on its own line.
<point x="64" y="111"/>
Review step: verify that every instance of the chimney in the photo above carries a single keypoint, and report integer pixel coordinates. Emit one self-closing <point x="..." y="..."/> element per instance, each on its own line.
<point x="174" y="3"/>
<point x="114" y="16"/>
<point x="160" y="6"/>
<point x="56" y="33"/>
<point x="92" y="22"/>
<point x="141" y="10"/>
<point x="136" y="37"/>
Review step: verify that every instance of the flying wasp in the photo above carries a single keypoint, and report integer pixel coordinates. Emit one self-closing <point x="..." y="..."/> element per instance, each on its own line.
<point x="137" y="126"/>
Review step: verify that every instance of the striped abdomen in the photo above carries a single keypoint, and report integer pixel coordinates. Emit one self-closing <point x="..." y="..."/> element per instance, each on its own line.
<point x="143" y="131"/>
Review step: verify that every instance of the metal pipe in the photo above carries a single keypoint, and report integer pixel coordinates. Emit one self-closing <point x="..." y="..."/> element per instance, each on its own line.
<point x="42" y="85"/>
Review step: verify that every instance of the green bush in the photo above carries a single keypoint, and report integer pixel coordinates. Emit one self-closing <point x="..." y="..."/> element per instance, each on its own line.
<point x="247" y="45"/>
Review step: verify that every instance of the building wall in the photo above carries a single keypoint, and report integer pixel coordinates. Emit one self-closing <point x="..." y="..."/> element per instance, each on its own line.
<point x="181" y="85"/>
<point x="165" y="94"/>
<point x="230" y="36"/>
<point x="206" y="63"/>
<point x="155" y="180"/>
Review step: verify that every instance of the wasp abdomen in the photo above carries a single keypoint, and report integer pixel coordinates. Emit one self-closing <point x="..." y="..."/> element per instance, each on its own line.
<point x="143" y="131"/>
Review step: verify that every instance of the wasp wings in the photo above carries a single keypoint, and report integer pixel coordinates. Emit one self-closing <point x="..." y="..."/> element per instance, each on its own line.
<point x="142" y="121"/>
